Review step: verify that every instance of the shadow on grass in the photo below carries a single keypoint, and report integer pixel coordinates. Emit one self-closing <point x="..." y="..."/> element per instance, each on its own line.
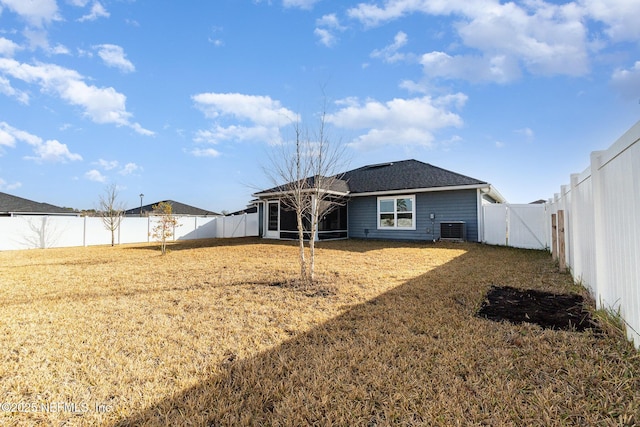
<point x="412" y="356"/>
<point x="345" y="245"/>
<point x="181" y="245"/>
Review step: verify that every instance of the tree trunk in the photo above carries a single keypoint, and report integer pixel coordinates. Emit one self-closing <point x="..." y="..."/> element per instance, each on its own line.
<point x="312" y="258"/>
<point x="312" y="239"/>
<point x="303" y="261"/>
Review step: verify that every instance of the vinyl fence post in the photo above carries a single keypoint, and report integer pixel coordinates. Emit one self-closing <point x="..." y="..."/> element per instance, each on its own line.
<point x="574" y="226"/>
<point x="554" y="237"/>
<point x="562" y="262"/>
<point x="601" y="284"/>
<point x="507" y="225"/>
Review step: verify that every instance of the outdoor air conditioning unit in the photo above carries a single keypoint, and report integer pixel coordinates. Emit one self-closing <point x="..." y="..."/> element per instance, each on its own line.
<point x="453" y="230"/>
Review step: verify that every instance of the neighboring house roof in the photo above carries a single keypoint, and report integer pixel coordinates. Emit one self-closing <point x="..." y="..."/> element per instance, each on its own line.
<point x="247" y="210"/>
<point x="399" y="176"/>
<point x="17" y="205"/>
<point x="177" y="208"/>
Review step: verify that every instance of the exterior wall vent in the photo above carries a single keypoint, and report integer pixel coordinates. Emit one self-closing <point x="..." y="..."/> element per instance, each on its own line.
<point x="453" y="230"/>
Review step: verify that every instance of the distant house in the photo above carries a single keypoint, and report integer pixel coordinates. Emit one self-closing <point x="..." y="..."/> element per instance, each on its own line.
<point x="13" y="205"/>
<point x="177" y="209"/>
<point x="247" y="210"/>
<point x="404" y="200"/>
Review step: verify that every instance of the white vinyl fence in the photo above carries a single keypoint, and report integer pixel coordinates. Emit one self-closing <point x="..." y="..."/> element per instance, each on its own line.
<point x="601" y="209"/>
<point x="42" y="231"/>
<point x="601" y="223"/>
<point x="518" y="226"/>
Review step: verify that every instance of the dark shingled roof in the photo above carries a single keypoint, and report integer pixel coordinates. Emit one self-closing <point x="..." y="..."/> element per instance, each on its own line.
<point x="338" y="185"/>
<point x="177" y="209"/>
<point x="401" y="175"/>
<point x="12" y="204"/>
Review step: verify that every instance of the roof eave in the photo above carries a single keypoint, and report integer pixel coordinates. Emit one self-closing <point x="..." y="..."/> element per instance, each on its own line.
<point x="11" y="213"/>
<point x="495" y="194"/>
<point x="423" y="190"/>
<point x="310" y="190"/>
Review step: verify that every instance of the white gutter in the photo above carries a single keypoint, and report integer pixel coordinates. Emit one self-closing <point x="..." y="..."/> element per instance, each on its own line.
<point x="495" y="194"/>
<point x="43" y="213"/>
<point x="485" y="188"/>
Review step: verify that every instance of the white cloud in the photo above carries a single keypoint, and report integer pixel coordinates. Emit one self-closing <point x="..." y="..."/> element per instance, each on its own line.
<point x="53" y="151"/>
<point x="399" y="121"/>
<point x="5" y="186"/>
<point x="35" y="12"/>
<point x="205" y="152"/>
<point x="101" y="105"/>
<point x="627" y="81"/>
<point x="301" y="4"/>
<point x="544" y="38"/>
<point x="390" y="53"/>
<point x="325" y="37"/>
<point x="7" y="89"/>
<point x="97" y="11"/>
<point x="39" y="39"/>
<point x="107" y="164"/>
<point x="60" y="49"/>
<point x="526" y="132"/>
<point x="46" y="151"/>
<point x="269" y="134"/>
<point x="8" y="47"/>
<point x="258" y="118"/>
<point x="330" y="20"/>
<point x="114" y="56"/>
<point x="258" y="109"/>
<point x="551" y="39"/>
<point x="79" y="3"/>
<point x="619" y="16"/>
<point x="326" y="27"/>
<point x="6" y="139"/>
<point x="95" y="175"/>
<point x="9" y="135"/>
<point x="499" y="69"/>
<point x="129" y="168"/>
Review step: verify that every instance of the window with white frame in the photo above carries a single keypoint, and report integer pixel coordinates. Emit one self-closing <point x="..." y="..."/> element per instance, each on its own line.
<point x="397" y="212"/>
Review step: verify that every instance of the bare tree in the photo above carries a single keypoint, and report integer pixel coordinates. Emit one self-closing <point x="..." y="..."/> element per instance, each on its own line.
<point x="111" y="210"/>
<point x="327" y="162"/>
<point x="288" y="171"/>
<point x="305" y="173"/>
<point x="167" y="223"/>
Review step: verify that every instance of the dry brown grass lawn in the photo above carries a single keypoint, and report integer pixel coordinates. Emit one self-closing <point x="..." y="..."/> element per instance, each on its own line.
<point x="202" y="336"/>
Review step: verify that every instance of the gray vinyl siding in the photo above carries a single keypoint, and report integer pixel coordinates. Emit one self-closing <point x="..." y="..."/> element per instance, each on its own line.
<point x="458" y="205"/>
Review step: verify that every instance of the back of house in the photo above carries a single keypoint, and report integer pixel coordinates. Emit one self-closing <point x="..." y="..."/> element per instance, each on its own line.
<point x="403" y="200"/>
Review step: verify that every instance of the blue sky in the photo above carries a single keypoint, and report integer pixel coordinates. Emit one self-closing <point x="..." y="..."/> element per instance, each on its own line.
<point x="185" y="100"/>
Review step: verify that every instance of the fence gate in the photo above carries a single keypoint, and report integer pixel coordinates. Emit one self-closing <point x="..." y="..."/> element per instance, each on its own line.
<point x="518" y="226"/>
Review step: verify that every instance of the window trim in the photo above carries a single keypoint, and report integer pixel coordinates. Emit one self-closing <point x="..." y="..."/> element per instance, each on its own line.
<point x="395" y="198"/>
